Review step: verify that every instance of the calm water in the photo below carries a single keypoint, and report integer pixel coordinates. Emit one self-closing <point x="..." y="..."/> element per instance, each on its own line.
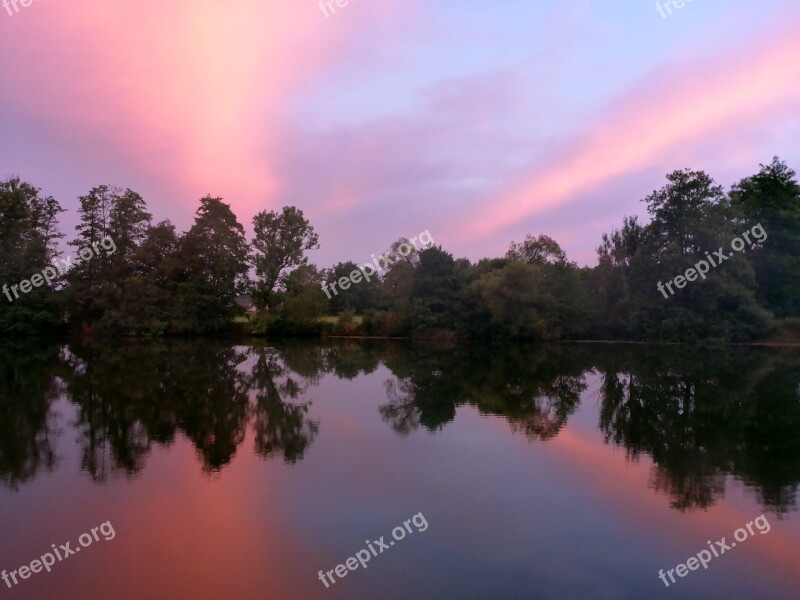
<point x="235" y="471"/>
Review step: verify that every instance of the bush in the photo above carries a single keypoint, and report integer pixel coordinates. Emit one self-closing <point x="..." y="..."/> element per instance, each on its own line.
<point x="346" y="324"/>
<point x="384" y="323"/>
<point x="262" y="323"/>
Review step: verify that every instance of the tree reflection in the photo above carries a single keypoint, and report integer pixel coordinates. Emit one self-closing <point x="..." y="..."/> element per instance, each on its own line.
<point x="701" y="416"/>
<point x="210" y="395"/>
<point x="132" y="396"/>
<point x="110" y="386"/>
<point x="769" y="456"/>
<point x="534" y="388"/>
<point x="705" y="416"/>
<point x="428" y="388"/>
<point x="402" y="411"/>
<point x="28" y="388"/>
<point x="280" y="426"/>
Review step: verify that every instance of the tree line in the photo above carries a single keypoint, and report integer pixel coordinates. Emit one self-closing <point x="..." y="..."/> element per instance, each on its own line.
<point x="162" y="282"/>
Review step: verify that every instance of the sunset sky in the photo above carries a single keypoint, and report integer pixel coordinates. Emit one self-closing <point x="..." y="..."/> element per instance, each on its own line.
<point x="478" y="121"/>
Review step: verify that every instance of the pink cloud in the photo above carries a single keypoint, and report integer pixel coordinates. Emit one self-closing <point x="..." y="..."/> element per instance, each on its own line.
<point x="187" y="93"/>
<point x="655" y="123"/>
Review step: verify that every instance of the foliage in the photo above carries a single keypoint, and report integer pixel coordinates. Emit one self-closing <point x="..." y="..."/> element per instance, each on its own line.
<point x="537" y="251"/>
<point x="27" y="244"/>
<point x="280" y="243"/>
<point x="772" y="198"/>
<point x="159" y="282"/>
<point x="214" y="259"/>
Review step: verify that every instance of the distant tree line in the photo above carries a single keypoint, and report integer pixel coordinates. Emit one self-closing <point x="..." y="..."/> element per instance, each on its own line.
<point x="161" y="282"/>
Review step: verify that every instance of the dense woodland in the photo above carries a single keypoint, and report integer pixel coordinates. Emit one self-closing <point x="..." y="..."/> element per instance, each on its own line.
<point x="162" y="282"/>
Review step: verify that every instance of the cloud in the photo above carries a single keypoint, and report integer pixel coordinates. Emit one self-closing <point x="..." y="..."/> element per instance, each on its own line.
<point x="654" y="123"/>
<point x="186" y="93"/>
<point x="390" y="116"/>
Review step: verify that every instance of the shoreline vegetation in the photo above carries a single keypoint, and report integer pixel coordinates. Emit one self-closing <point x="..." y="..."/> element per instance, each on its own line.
<point x="212" y="280"/>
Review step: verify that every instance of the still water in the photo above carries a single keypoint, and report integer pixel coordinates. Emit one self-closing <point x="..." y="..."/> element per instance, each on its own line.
<point x="242" y="471"/>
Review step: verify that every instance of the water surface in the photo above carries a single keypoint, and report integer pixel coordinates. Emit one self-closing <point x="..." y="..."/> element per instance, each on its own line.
<point x="241" y="471"/>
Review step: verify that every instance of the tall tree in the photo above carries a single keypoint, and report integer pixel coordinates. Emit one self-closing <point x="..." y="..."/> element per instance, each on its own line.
<point x="113" y="224"/>
<point x="280" y="243"/>
<point x="436" y="291"/>
<point x="28" y="233"/>
<point x="610" y="279"/>
<point x="772" y="198"/>
<point x="147" y="304"/>
<point x="129" y="224"/>
<point x="86" y="277"/>
<point x="686" y="213"/>
<point x="95" y="215"/>
<point x="692" y="216"/>
<point x="215" y="265"/>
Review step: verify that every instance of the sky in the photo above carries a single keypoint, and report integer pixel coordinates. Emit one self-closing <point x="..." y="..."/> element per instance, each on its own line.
<point x="480" y="122"/>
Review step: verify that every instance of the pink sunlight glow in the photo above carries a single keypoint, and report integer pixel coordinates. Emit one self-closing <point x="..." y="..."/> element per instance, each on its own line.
<point x="187" y="92"/>
<point x="650" y="128"/>
<point x="633" y="497"/>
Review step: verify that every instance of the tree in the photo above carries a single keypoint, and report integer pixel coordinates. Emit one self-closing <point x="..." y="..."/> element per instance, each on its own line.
<point x="411" y="256"/>
<point x="537" y="251"/>
<point x="534" y="301"/>
<point x="303" y="301"/>
<point x="692" y="216"/>
<point x="86" y="278"/>
<point x="436" y="290"/>
<point x="280" y="243"/>
<point x="113" y="224"/>
<point x="147" y="304"/>
<point x="129" y="224"/>
<point x="95" y="215"/>
<point x="27" y="246"/>
<point x="215" y="262"/>
<point x="772" y="198"/>
<point x="610" y="280"/>
<point x="688" y="213"/>
<point x="359" y="297"/>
